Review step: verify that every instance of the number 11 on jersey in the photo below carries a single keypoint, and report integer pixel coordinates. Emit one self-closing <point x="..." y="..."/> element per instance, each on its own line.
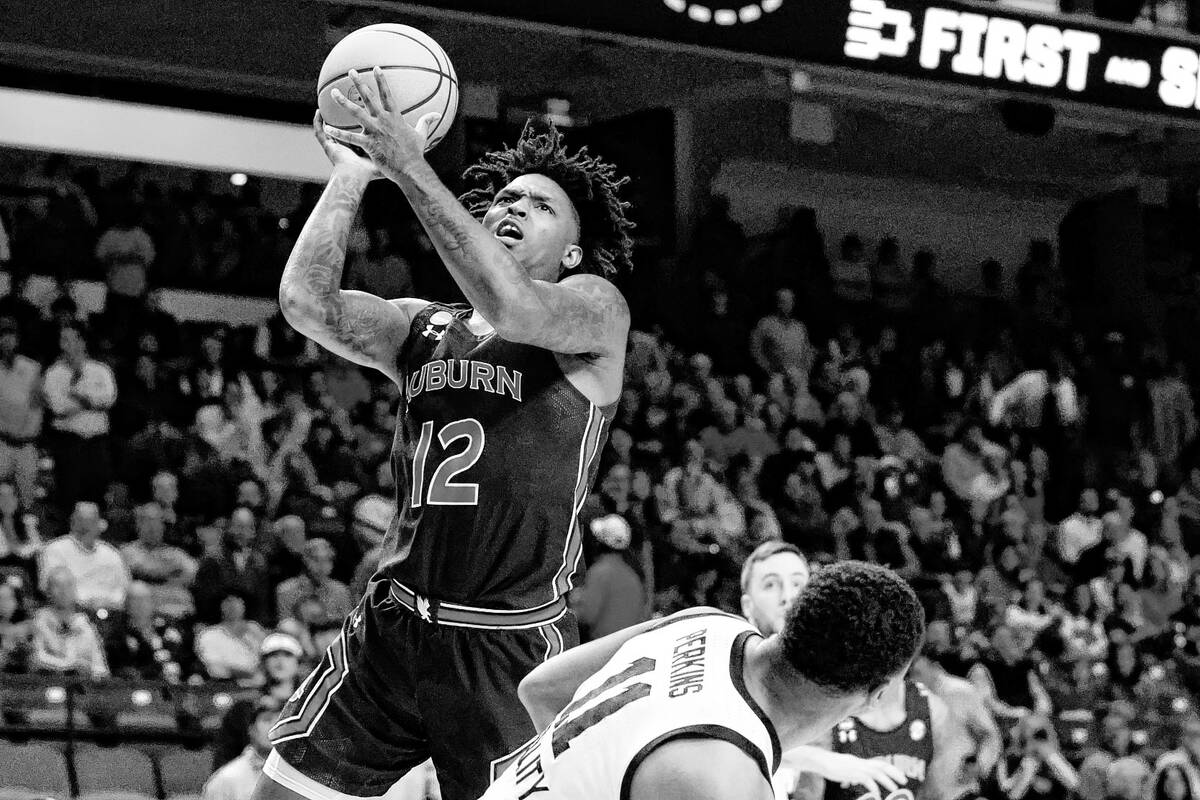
<point x="443" y="491"/>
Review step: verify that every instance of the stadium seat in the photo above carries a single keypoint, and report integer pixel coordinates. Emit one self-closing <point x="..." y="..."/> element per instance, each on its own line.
<point x="184" y="771"/>
<point x="35" y="767"/>
<point x="109" y="769"/>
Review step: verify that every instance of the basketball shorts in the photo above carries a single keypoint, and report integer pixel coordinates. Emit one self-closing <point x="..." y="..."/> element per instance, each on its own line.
<point x="398" y="687"/>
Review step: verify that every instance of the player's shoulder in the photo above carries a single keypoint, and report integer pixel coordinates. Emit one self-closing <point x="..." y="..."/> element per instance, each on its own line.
<point x="598" y="289"/>
<point x="691" y="614"/>
<point x="693" y="768"/>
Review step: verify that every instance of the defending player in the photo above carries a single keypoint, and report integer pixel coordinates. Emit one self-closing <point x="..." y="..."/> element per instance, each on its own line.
<point x="699" y="706"/>
<point x="505" y="406"/>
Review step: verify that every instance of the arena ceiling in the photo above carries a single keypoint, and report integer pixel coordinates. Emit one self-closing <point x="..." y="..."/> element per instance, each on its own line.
<point x="262" y="59"/>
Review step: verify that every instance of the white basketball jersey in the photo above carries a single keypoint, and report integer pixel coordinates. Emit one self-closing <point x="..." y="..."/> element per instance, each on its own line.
<point x="681" y="679"/>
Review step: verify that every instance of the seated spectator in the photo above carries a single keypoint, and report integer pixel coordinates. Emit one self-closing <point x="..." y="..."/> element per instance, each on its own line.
<point x="613" y="594"/>
<point x="100" y="575"/>
<point x="238" y="568"/>
<point x="20" y="540"/>
<point x="971" y="468"/>
<point x="304" y="623"/>
<point x="281" y="672"/>
<point x="315" y="582"/>
<point x="1127" y="779"/>
<point x="1008" y="679"/>
<point x="285" y="551"/>
<point x="237" y="779"/>
<point x="20" y="413"/>
<point x="896" y="440"/>
<point x="229" y="649"/>
<point x="64" y="639"/>
<point x="143" y="644"/>
<point x="780" y="341"/>
<point x="1170" y="783"/>
<point x="16" y="632"/>
<point x="1081" y="530"/>
<point x="733" y="435"/>
<point x="167" y="570"/>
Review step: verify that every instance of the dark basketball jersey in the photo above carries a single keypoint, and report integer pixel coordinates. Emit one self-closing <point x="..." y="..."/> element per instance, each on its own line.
<point x="494" y="454"/>
<point x="908" y="746"/>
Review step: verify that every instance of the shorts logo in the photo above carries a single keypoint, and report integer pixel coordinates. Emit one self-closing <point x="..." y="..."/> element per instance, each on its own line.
<point x="423" y="608"/>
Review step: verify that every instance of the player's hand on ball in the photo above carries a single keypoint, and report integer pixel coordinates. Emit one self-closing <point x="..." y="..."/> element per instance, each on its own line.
<point x="878" y="777"/>
<point x="342" y="157"/>
<point x="386" y="136"/>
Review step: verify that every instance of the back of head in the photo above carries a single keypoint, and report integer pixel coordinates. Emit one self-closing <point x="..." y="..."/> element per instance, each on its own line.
<point x="855" y="626"/>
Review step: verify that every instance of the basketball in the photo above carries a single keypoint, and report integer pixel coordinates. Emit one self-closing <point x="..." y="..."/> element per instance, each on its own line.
<point x="418" y="72"/>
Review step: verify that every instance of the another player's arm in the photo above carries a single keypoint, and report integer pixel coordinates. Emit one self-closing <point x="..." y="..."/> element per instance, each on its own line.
<point x="361" y="327"/>
<point x="964" y="702"/>
<point x="948" y="777"/>
<point x="550" y="686"/>
<point x="581" y="315"/>
<point x="817" y="763"/>
<point x="699" y="769"/>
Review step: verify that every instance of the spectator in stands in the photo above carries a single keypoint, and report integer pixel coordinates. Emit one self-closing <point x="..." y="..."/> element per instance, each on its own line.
<point x="779" y="341"/>
<point x="167" y="571"/>
<point x="972" y="468"/>
<point x="890" y="284"/>
<point x="237" y="779"/>
<point x="733" y="435"/>
<point x="851" y="273"/>
<point x="1008" y="679"/>
<point x="143" y="644"/>
<point x="1127" y="779"/>
<point x="1081" y="530"/>
<point x="164" y="493"/>
<point x="1172" y="420"/>
<point x="239" y="568"/>
<point x="1034" y="766"/>
<point x="1170" y="783"/>
<point x="64" y="639"/>
<point x="280" y="666"/>
<point x="1186" y="757"/>
<point x="20" y="539"/>
<point x="230" y="649"/>
<point x="285" y="552"/>
<point x="369" y="522"/>
<point x="16" y="631"/>
<point x="613" y="594"/>
<point x="125" y="251"/>
<point x="100" y="575"/>
<point x="316" y="582"/>
<point x="20" y="412"/>
<point x="79" y="392"/>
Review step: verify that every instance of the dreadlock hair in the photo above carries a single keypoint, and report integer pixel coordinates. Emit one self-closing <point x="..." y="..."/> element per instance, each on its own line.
<point x="591" y="184"/>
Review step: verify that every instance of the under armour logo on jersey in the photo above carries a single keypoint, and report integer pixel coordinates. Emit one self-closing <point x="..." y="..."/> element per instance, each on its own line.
<point x="356" y="617"/>
<point x="846" y="732"/>
<point x="423" y="609"/>
<point x="436" y="329"/>
<point x="865" y="37"/>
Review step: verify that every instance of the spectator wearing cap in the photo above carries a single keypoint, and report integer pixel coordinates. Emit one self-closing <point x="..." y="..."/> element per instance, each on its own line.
<point x="280" y="664"/>
<point x="64" y="639"/>
<point x="237" y="779"/>
<point x="613" y="595"/>
<point x="315" y="582"/>
<point x="238" y="567"/>
<point x="1185" y="757"/>
<point x="229" y="649"/>
<point x="79" y="391"/>
<point x="168" y="571"/>
<point x="99" y="572"/>
<point x="144" y="644"/>
<point x="20" y="412"/>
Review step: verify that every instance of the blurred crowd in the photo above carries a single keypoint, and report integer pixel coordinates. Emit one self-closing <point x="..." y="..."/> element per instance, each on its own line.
<point x="194" y="503"/>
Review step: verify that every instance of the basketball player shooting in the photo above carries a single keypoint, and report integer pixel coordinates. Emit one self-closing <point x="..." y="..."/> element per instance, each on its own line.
<point x="700" y="706"/>
<point x="505" y="407"/>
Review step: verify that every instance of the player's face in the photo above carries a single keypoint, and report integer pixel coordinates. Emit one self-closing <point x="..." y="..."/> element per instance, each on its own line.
<point x="774" y="583"/>
<point x="536" y="221"/>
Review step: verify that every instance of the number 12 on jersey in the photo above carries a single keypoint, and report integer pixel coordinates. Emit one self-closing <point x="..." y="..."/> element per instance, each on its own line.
<point x="443" y="491"/>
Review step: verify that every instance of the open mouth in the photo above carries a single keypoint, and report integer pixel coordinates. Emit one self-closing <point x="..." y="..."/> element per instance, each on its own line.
<point x="509" y="230"/>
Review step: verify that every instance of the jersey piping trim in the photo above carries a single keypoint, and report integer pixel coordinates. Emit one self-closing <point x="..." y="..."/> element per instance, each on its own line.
<point x="589" y="451"/>
<point x="694" y="732"/>
<point x="737" y="660"/>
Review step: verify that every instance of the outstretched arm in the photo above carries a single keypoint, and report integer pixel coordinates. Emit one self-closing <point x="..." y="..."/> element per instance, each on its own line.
<point x="817" y="763"/>
<point x="583" y="314"/>
<point x="949" y="776"/>
<point x="361" y="327"/>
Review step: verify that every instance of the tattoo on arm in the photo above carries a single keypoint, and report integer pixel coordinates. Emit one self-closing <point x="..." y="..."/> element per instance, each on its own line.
<point x="311" y="283"/>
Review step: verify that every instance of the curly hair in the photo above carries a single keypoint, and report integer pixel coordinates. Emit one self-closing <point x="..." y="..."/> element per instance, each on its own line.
<point x="591" y="184"/>
<point x="853" y="627"/>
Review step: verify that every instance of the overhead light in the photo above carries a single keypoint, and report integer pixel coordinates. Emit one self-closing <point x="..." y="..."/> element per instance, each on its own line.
<point x="238" y="179"/>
